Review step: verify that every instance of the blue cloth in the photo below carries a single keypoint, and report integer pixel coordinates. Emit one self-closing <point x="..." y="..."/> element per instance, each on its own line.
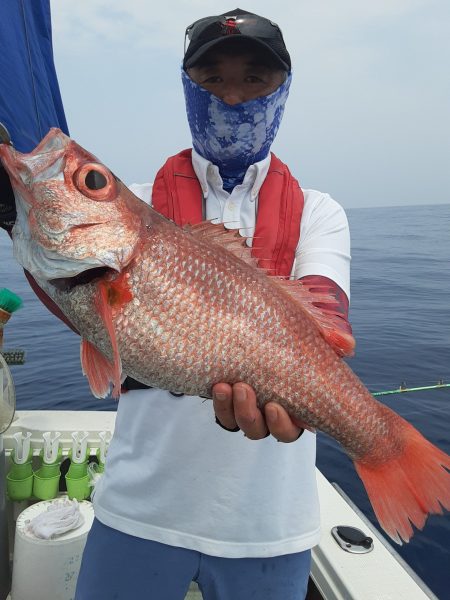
<point x="233" y="137"/>
<point x="120" y="566"/>
<point x="30" y="101"/>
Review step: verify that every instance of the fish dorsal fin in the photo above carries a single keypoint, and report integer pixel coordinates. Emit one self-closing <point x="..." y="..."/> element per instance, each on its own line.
<point x="230" y="239"/>
<point x="329" y="321"/>
<point x="332" y="326"/>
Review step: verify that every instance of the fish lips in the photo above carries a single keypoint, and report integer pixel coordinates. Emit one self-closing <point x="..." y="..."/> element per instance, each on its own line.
<point x="45" y="161"/>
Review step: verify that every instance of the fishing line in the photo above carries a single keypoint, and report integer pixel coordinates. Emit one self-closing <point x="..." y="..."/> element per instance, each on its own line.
<point x="403" y="388"/>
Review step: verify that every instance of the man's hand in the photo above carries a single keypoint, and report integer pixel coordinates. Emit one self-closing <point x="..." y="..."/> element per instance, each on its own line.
<point x="235" y="407"/>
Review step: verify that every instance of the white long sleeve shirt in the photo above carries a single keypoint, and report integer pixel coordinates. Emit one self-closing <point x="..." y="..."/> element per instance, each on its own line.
<point x="173" y="475"/>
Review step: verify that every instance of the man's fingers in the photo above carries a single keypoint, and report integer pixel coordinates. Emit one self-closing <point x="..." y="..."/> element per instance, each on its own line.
<point x="247" y="414"/>
<point x="280" y="424"/>
<point x="236" y="408"/>
<point x="223" y="405"/>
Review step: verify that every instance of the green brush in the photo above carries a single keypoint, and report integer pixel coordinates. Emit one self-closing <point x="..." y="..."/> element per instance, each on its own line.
<point x="9" y="303"/>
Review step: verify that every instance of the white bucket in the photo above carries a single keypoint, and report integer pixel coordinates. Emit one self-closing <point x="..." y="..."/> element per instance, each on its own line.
<point x="48" y="569"/>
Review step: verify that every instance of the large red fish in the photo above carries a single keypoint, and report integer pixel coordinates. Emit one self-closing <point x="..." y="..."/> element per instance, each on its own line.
<point x="182" y="309"/>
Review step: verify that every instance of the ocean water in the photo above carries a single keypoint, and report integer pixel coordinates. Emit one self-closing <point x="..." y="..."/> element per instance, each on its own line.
<point x="400" y="312"/>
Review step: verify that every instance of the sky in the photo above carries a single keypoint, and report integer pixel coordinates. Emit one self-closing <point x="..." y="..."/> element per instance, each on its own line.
<point x="367" y="119"/>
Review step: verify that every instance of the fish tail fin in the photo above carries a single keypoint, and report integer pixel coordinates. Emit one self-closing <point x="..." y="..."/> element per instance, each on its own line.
<point x="404" y="490"/>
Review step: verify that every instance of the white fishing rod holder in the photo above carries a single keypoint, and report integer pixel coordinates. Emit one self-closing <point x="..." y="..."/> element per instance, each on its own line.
<point x="79" y="452"/>
<point x="51" y="448"/>
<point x="105" y="438"/>
<point x="22" y="447"/>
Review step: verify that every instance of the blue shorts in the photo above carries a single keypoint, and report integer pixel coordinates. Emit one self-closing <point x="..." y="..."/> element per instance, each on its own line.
<point x="117" y="566"/>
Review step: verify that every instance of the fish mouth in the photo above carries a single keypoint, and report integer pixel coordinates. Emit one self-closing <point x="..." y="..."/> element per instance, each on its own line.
<point x="66" y="284"/>
<point x="46" y="161"/>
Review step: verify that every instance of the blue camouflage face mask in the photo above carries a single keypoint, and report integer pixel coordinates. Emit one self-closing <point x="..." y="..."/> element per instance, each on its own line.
<point x="233" y="137"/>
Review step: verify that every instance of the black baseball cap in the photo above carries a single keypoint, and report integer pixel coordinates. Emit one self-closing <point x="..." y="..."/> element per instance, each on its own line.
<point x="206" y="33"/>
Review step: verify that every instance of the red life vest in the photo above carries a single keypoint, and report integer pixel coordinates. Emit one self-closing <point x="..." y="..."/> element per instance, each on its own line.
<point x="177" y="194"/>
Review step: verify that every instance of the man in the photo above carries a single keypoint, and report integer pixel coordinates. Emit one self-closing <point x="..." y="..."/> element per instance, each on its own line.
<point x="181" y="498"/>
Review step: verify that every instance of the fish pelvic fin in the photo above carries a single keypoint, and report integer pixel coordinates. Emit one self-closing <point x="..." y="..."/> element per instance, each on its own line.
<point x="100" y="371"/>
<point x="404" y="490"/>
<point x="97" y="368"/>
<point x="112" y="295"/>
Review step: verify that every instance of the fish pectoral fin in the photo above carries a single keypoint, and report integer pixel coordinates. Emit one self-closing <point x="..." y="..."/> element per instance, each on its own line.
<point x="97" y="368"/>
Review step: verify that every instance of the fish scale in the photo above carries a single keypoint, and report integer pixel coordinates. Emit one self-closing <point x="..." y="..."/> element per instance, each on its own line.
<point x="183" y="309"/>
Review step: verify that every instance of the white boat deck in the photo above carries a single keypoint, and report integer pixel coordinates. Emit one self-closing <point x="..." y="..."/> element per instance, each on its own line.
<point x="337" y="574"/>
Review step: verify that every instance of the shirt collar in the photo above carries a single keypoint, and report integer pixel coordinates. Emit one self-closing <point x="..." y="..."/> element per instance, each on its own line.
<point x="208" y="174"/>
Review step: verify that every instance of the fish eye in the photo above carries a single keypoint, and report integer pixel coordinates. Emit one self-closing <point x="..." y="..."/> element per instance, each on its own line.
<point x="96" y="182"/>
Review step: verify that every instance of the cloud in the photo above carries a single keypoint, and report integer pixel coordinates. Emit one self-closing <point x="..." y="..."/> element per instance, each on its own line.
<point x="368" y="104"/>
<point x="85" y="23"/>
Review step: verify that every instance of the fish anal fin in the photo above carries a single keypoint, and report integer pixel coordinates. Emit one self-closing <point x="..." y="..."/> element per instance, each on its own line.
<point x="404" y="490"/>
<point x="97" y="368"/>
<point x="342" y="342"/>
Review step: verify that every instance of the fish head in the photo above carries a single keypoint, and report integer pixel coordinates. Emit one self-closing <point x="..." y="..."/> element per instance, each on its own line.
<point x="73" y="215"/>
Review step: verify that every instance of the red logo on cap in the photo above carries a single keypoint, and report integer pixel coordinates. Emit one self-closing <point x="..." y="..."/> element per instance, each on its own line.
<point x="230" y="27"/>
